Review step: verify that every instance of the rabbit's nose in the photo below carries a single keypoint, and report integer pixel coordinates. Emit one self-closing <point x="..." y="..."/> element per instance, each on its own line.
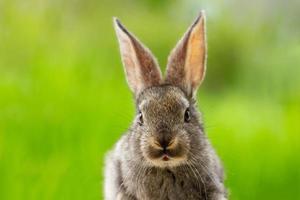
<point x="165" y="143"/>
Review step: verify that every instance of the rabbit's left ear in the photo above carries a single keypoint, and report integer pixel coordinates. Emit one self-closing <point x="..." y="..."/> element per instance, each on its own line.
<point x="187" y="62"/>
<point x="141" y="68"/>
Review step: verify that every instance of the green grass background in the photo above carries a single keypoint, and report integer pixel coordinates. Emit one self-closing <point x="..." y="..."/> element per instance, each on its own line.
<point x="64" y="100"/>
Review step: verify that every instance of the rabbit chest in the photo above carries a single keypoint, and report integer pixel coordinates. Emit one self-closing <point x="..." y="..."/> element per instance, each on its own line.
<point x="167" y="185"/>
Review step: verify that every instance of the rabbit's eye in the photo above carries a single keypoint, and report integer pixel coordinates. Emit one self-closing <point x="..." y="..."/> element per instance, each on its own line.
<point x="187" y="115"/>
<point x="140" y="118"/>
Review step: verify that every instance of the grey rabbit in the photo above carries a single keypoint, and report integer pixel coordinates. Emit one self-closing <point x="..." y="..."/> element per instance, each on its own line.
<point x="165" y="154"/>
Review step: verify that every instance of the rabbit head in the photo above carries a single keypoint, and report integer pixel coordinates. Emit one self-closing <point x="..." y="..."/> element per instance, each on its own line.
<point x="167" y="129"/>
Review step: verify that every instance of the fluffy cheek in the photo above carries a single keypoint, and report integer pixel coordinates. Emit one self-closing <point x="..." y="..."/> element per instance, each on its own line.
<point x="144" y="145"/>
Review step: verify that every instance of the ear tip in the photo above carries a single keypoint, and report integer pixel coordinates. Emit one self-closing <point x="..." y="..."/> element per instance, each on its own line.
<point x="119" y="26"/>
<point x="116" y="22"/>
<point x="202" y="15"/>
<point x="115" y="19"/>
<point x="200" y="20"/>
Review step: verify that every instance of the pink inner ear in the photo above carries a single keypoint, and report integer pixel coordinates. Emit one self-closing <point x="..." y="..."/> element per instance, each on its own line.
<point x="186" y="64"/>
<point x="196" y="53"/>
<point x="140" y="66"/>
<point x="129" y="60"/>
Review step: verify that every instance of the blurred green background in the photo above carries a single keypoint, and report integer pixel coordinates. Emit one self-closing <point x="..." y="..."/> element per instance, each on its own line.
<point x="64" y="100"/>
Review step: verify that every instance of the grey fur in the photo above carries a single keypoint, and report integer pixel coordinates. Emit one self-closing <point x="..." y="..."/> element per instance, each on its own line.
<point x="135" y="169"/>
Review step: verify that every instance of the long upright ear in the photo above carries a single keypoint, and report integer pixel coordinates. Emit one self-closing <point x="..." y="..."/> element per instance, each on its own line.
<point x="187" y="61"/>
<point x="141" y="67"/>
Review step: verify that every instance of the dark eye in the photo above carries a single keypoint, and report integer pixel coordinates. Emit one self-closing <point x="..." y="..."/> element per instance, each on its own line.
<point x="187" y="115"/>
<point x="140" y="118"/>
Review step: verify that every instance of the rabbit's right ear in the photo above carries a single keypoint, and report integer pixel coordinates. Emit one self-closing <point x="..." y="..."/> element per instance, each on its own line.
<point x="186" y="64"/>
<point x="141" y="67"/>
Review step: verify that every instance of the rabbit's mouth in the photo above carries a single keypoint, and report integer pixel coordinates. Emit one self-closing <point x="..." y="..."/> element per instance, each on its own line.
<point x="166" y="157"/>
